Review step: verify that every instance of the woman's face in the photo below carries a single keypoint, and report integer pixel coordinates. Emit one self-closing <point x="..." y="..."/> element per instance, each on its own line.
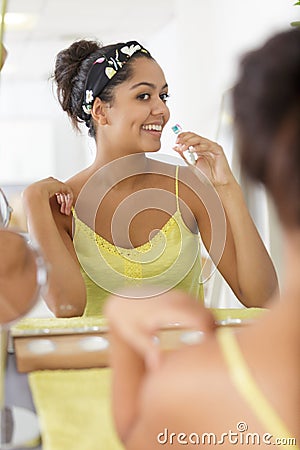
<point x="139" y="112"/>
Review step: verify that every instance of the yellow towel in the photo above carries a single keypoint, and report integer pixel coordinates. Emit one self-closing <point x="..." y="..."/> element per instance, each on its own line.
<point x="74" y="409"/>
<point x="57" y="323"/>
<point x="243" y="314"/>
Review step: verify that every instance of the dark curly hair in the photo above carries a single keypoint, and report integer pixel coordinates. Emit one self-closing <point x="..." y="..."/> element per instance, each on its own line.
<point x="71" y="70"/>
<point x="266" y="101"/>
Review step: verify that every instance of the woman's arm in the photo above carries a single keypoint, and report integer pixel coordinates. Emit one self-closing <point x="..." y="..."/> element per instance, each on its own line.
<point x="254" y="278"/>
<point x="50" y="225"/>
<point x="245" y="263"/>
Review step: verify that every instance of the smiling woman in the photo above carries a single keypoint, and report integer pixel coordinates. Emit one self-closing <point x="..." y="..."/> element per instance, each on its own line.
<point x="128" y="220"/>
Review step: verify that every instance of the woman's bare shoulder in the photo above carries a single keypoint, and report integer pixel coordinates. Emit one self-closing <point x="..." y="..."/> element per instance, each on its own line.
<point x="182" y="396"/>
<point x="77" y="181"/>
<point x="181" y="379"/>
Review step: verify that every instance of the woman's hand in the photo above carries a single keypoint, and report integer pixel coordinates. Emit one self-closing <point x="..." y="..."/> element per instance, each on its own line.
<point x="210" y="156"/>
<point x="50" y="187"/>
<point x="137" y="321"/>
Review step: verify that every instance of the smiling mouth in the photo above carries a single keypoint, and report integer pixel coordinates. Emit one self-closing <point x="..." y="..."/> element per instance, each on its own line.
<point x="152" y="127"/>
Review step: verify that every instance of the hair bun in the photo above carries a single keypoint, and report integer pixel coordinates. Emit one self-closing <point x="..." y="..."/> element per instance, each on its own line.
<point x="71" y="68"/>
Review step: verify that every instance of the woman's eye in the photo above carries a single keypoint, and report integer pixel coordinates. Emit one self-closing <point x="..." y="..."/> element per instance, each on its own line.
<point x="144" y="96"/>
<point x="164" y="97"/>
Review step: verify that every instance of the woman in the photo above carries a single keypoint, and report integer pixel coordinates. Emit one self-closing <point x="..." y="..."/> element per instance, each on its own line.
<point x="120" y="201"/>
<point x="231" y="388"/>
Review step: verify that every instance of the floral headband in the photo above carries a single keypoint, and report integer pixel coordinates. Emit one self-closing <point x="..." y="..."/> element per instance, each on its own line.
<point x="104" y="69"/>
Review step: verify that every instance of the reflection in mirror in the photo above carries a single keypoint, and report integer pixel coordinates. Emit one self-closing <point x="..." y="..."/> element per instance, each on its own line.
<point x="22" y="277"/>
<point x="5" y="210"/>
<point x="37" y="140"/>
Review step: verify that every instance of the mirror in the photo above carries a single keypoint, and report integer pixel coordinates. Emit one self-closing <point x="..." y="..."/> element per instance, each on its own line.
<point x="23" y="275"/>
<point x="37" y="140"/>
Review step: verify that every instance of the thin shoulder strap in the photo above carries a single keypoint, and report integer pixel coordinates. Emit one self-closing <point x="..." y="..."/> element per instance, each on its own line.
<point x="74" y="213"/>
<point x="247" y="388"/>
<point x="177" y="187"/>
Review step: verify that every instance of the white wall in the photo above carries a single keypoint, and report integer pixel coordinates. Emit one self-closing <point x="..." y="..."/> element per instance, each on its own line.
<point x="210" y="37"/>
<point x="36" y="137"/>
<point x="199" y="52"/>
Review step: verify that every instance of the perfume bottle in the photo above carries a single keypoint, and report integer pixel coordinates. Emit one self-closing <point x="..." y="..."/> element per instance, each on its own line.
<point x="189" y="156"/>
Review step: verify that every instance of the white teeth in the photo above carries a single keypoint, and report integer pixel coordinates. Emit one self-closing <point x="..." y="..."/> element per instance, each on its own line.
<point x="152" y="127"/>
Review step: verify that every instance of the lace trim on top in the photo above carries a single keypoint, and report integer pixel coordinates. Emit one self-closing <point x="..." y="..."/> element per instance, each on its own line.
<point x="106" y="245"/>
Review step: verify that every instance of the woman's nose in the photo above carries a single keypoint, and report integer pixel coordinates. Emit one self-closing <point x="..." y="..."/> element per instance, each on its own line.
<point x="160" y="107"/>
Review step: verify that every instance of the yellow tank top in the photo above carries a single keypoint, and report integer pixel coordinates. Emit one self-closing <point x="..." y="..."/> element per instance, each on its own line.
<point x="172" y="258"/>
<point x="250" y="392"/>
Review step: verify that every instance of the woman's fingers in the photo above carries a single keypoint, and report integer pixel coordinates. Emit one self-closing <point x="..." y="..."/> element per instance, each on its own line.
<point x="64" y="196"/>
<point x="65" y="200"/>
<point x="199" y="143"/>
<point x="139" y="321"/>
<point x="208" y="156"/>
